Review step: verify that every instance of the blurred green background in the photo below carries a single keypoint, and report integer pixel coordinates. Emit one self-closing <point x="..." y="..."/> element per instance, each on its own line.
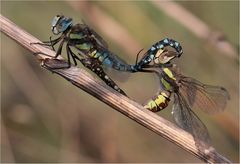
<point x="46" y="119"/>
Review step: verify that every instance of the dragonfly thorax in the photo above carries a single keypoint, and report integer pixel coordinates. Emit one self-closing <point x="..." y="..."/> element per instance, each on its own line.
<point x="168" y="80"/>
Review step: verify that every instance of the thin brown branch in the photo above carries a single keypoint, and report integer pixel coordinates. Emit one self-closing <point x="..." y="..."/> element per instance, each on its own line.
<point x="129" y="108"/>
<point x="197" y="27"/>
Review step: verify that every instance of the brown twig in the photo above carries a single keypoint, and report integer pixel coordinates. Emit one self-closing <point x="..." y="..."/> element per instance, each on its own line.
<point x="129" y="108"/>
<point x="197" y="27"/>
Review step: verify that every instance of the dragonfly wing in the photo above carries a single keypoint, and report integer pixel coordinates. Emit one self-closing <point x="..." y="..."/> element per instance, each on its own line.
<point x="117" y="75"/>
<point x="98" y="38"/>
<point x="210" y="99"/>
<point x="117" y="67"/>
<point x="188" y="120"/>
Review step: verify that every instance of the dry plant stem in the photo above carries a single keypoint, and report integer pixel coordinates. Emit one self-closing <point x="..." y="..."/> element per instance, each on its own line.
<point x="197" y="27"/>
<point x="129" y="108"/>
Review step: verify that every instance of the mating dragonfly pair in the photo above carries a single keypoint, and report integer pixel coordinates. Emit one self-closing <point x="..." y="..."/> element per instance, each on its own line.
<point x="92" y="51"/>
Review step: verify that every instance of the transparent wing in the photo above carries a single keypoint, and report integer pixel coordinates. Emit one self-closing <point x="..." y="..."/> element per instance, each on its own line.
<point x="118" y="68"/>
<point x="210" y="99"/>
<point x="99" y="39"/>
<point x="188" y="120"/>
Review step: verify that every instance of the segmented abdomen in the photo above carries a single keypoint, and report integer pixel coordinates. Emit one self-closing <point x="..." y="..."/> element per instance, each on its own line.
<point x="94" y="65"/>
<point x="150" y="54"/>
<point x="110" y="60"/>
<point x="159" y="102"/>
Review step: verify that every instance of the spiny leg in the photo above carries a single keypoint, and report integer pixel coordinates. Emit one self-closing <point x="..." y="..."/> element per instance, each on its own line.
<point x="50" y="38"/>
<point x="59" y="51"/>
<point x="50" y="43"/>
<point x="37" y="53"/>
<point x="70" y="54"/>
<point x="74" y="55"/>
<point x="57" y="63"/>
<point x="47" y="43"/>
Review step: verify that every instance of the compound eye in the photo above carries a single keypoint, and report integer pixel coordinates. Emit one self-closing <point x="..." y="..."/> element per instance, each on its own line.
<point x="164" y="56"/>
<point x="55" y="21"/>
<point x="158" y="56"/>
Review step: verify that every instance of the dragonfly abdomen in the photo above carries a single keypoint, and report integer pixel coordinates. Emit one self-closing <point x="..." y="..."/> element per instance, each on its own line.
<point x="158" y="102"/>
<point x="158" y="49"/>
<point x="110" y="60"/>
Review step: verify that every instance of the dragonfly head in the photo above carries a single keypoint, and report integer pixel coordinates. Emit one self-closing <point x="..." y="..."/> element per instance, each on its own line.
<point x="60" y="24"/>
<point x="164" y="56"/>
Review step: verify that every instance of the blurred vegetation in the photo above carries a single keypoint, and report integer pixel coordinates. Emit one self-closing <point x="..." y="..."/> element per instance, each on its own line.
<point x="46" y="119"/>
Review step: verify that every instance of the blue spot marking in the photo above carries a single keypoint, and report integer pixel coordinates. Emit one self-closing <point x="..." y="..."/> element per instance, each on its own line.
<point x="105" y="54"/>
<point x="151" y="56"/>
<point x="165" y="40"/>
<point x="107" y="62"/>
<point x="102" y="57"/>
<point x="161" y="46"/>
<point x="153" y="48"/>
<point x="177" y="44"/>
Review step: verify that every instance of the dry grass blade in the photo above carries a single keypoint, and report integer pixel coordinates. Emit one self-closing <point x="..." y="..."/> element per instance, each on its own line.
<point x="129" y="108"/>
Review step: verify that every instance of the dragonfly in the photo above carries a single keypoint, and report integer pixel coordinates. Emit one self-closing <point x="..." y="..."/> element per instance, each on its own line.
<point x="189" y="94"/>
<point x="85" y="45"/>
<point x="159" y="54"/>
<point x="92" y="49"/>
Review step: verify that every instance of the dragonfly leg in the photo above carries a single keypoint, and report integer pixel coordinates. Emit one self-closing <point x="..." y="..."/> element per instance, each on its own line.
<point x="38" y="53"/>
<point x="55" y="63"/>
<point x="50" y="43"/>
<point x="60" y="64"/>
<point x="71" y="54"/>
<point x="59" y="51"/>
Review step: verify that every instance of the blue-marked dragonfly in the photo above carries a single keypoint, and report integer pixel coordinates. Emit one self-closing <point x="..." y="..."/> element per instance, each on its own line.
<point x="85" y="45"/>
<point x="158" y="54"/>
<point x="92" y="51"/>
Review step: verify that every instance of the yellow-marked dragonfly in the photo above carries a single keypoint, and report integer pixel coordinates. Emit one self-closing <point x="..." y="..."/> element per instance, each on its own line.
<point x="189" y="94"/>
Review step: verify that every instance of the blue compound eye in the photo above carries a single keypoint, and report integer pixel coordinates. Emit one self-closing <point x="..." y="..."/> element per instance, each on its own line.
<point x="55" y="20"/>
<point x="60" y="24"/>
<point x="64" y="23"/>
<point x="164" y="56"/>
